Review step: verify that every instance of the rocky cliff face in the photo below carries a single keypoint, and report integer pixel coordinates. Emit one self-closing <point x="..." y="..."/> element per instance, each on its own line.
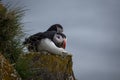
<point x="40" y="66"/>
<point x="37" y="66"/>
<point x="7" y="71"/>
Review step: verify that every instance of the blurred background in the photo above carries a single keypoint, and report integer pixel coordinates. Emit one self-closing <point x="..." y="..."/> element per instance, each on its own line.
<point x="92" y="28"/>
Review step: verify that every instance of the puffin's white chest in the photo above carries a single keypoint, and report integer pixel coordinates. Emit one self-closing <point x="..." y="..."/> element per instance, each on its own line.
<point x="47" y="45"/>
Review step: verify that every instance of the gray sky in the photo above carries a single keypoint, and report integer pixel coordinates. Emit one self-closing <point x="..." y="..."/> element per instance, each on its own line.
<point x="92" y="28"/>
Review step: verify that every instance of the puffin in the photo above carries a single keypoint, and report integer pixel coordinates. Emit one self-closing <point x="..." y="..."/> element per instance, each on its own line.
<point x="52" y="40"/>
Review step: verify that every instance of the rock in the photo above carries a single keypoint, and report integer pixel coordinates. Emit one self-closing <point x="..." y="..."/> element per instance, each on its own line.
<point x="7" y="71"/>
<point x="40" y="66"/>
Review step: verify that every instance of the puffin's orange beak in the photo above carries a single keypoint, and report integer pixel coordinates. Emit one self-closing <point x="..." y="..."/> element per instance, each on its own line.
<point x="64" y="43"/>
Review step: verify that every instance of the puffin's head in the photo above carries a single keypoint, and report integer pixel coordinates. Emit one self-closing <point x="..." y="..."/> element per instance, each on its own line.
<point x="56" y="27"/>
<point x="60" y="40"/>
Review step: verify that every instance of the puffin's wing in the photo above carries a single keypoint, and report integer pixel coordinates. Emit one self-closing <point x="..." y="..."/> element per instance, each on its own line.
<point x="31" y="42"/>
<point x="48" y="34"/>
<point x="33" y="38"/>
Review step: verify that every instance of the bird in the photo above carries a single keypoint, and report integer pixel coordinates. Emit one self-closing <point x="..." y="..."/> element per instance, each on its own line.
<point x="33" y="38"/>
<point x="52" y="35"/>
<point x="52" y="42"/>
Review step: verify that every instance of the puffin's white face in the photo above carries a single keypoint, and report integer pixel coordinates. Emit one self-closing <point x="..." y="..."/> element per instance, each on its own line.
<point x="59" y="41"/>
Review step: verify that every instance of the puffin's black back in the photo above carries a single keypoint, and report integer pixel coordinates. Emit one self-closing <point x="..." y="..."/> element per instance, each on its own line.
<point x="48" y="34"/>
<point x="54" y="27"/>
<point x="33" y="38"/>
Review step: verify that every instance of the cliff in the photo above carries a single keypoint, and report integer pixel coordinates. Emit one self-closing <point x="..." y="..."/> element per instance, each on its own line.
<point x="45" y="66"/>
<point x="37" y="66"/>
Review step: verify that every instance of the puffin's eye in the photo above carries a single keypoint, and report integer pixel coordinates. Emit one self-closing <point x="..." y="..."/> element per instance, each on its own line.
<point x="58" y="37"/>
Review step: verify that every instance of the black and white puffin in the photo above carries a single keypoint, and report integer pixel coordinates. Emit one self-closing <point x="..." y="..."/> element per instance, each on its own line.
<point x="52" y="40"/>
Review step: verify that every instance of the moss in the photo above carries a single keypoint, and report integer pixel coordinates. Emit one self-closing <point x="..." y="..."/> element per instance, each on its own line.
<point x="7" y="71"/>
<point x="37" y="65"/>
<point x="23" y="67"/>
